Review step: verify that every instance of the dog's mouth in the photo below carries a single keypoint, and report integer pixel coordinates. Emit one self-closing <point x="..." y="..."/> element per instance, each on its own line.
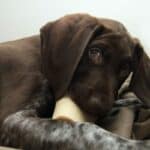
<point x="97" y="106"/>
<point x="92" y="100"/>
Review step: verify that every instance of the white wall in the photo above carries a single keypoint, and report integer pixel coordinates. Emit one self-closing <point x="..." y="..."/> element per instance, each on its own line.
<point x="19" y="18"/>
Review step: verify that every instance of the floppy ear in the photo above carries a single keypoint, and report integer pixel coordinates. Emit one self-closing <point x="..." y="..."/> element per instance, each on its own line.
<point x="63" y="43"/>
<point x="140" y="83"/>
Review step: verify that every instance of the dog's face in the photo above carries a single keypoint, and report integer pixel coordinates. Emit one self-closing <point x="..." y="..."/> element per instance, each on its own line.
<point x="89" y="58"/>
<point x="106" y="63"/>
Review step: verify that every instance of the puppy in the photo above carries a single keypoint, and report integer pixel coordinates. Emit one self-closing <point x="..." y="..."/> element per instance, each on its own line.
<point x="78" y="55"/>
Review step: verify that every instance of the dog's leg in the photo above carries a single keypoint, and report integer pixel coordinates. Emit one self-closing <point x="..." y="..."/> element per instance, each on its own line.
<point x="30" y="129"/>
<point x="26" y="130"/>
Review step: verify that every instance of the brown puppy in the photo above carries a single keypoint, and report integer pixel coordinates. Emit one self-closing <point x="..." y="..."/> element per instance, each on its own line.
<point x="108" y="54"/>
<point x="81" y="56"/>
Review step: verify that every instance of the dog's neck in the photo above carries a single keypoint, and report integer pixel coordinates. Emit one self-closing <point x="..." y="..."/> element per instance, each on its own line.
<point x="66" y="108"/>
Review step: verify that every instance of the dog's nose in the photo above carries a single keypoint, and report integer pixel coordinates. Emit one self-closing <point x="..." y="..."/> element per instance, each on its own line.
<point x="94" y="99"/>
<point x="96" y="102"/>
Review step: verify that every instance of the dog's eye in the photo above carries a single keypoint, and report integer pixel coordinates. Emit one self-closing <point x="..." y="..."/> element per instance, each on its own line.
<point x="95" y="55"/>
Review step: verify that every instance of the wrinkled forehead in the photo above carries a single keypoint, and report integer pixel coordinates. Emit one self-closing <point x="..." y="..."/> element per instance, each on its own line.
<point x="118" y="43"/>
<point x="113" y="25"/>
<point x="117" y="37"/>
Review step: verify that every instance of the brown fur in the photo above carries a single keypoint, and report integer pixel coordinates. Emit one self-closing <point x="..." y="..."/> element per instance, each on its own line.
<point x="31" y="80"/>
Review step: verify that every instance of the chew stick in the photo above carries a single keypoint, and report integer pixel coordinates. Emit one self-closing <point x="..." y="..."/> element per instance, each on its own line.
<point x="67" y="108"/>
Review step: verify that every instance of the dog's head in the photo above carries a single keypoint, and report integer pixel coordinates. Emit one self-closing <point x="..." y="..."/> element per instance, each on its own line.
<point x="89" y="58"/>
